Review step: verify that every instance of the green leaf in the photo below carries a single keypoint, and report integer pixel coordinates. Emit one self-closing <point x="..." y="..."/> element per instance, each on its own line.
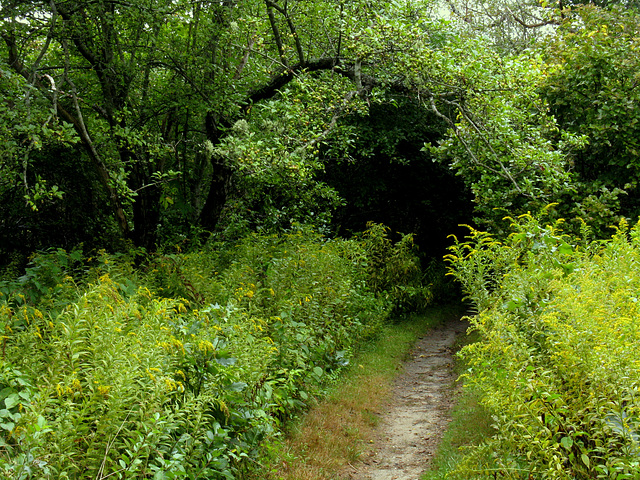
<point x="567" y="442"/>
<point x="9" y="426"/>
<point x="513" y="305"/>
<point x="12" y="400"/>
<point x="226" y="361"/>
<point x="565" y="249"/>
<point x="237" y="386"/>
<point x="6" y="391"/>
<point x="585" y="459"/>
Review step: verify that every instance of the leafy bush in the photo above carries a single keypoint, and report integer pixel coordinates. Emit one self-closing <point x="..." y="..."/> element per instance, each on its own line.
<point x="180" y="369"/>
<point x="557" y="364"/>
<point x="49" y="278"/>
<point x="394" y="269"/>
<point x="592" y="69"/>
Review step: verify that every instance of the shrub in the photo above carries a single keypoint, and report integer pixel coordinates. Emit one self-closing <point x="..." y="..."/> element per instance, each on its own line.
<point x="557" y="364"/>
<point x="394" y="270"/>
<point x="178" y="370"/>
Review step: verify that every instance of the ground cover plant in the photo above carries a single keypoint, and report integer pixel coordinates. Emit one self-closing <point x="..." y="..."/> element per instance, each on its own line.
<point x="181" y="367"/>
<point x="557" y="363"/>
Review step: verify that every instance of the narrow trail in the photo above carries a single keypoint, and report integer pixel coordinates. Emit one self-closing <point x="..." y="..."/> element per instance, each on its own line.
<point x="417" y="415"/>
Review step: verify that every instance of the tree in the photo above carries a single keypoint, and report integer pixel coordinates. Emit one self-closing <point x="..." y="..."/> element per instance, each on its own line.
<point x="510" y="26"/>
<point x="145" y="83"/>
<point x="501" y="138"/>
<point x="590" y="83"/>
<point x="240" y="99"/>
<point x="84" y="50"/>
<point x="30" y="131"/>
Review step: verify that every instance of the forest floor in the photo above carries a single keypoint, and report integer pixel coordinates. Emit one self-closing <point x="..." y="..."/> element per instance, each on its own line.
<point x="416" y="415"/>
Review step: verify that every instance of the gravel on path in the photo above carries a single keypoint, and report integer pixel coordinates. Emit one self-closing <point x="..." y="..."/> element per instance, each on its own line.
<point x="418" y="412"/>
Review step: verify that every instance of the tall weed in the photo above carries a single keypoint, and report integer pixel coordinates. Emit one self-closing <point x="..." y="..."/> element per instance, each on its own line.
<point x="179" y="369"/>
<point x="557" y="364"/>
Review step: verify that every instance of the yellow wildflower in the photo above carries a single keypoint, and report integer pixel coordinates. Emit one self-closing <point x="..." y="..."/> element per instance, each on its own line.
<point x="104" y="389"/>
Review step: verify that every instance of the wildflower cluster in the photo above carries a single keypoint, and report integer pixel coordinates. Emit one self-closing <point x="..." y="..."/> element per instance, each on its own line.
<point x="180" y="370"/>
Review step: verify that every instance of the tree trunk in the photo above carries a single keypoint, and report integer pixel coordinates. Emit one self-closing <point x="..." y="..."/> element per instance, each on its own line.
<point x="220" y="181"/>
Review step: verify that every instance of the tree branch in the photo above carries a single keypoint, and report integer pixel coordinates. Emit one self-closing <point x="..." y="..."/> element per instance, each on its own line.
<point x="332" y="123"/>
<point x="81" y="128"/>
<point x="245" y="58"/>
<point x="285" y="76"/>
<point x="276" y="32"/>
<point x="541" y="23"/>
<point x="347" y="70"/>
<point x="87" y="54"/>
<point x="292" y="28"/>
<point x="502" y="172"/>
<point x="13" y="57"/>
<point x="357" y="73"/>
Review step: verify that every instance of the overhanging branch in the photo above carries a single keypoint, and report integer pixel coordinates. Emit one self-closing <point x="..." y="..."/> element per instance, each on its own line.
<point x="349" y="70"/>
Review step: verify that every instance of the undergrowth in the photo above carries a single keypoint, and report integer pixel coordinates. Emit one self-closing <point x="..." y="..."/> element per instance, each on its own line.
<point x="172" y="366"/>
<point x="557" y="365"/>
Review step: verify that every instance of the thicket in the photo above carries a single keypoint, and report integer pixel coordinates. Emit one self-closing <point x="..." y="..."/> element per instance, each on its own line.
<point x="180" y="365"/>
<point x="557" y="364"/>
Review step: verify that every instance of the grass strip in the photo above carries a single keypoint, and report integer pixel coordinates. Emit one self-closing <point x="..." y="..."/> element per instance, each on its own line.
<point x="335" y="431"/>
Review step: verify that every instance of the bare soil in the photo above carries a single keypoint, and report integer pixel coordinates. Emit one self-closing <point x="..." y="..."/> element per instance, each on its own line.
<point x="414" y="420"/>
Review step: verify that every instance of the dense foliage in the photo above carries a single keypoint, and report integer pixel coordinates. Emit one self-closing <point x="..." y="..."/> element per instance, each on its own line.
<point x="165" y="303"/>
<point x="182" y="369"/>
<point x="591" y="69"/>
<point x="557" y="365"/>
<point x="224" y="117"/>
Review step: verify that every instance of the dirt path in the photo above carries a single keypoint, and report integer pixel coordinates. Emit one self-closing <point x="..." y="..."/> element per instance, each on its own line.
<point x="417" y="415"/>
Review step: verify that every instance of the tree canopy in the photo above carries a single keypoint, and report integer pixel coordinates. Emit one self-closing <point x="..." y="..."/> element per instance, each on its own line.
<point x="164" y="119"/>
